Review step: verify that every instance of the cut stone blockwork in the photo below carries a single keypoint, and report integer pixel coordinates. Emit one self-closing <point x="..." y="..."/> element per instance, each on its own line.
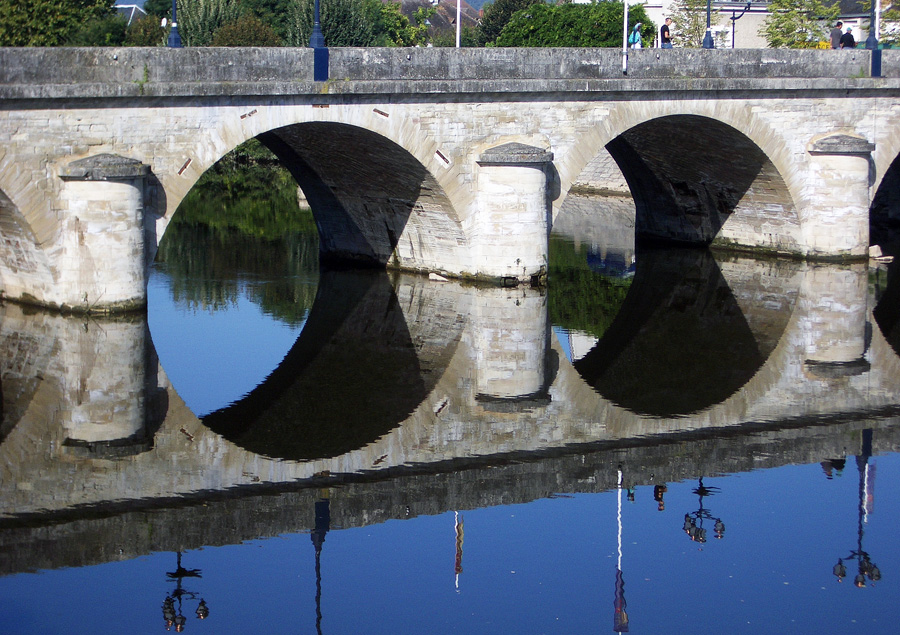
<point x="100" y="258"/>
<point x="434" y="160"/>
<point x="513" y="212"/>
<point x="839" y="170"/>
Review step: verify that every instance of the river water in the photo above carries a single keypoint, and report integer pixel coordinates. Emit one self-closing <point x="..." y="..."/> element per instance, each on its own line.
<point x="662" y="441"/>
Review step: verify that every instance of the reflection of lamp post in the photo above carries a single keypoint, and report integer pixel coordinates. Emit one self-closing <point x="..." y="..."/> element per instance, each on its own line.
<point x="693" y="522"/>
<point x="460" y="533"/>
<point x="172" y="612"/>
<point x="174" y="37"/>
<point x="620" y="617"/>
<point x="707" y="39"/>
<point x="323" y="524"/>
<point x="865" y="567"/>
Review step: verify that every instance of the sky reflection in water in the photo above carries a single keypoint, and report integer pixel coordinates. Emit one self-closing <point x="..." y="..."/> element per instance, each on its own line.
<point x="547" y="566"/>
<point x="544" y="567"/>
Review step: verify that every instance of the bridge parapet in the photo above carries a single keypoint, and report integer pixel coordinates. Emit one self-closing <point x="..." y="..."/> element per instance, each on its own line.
<point x="47" y="73"/>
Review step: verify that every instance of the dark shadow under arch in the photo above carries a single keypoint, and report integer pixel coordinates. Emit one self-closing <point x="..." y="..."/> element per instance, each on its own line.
<point x="689" y="174"/>
<point x="364" y="190"/>
<point x="884" y="214"/>
<point x="683" y="340"/>
<point x="354" y="373"/>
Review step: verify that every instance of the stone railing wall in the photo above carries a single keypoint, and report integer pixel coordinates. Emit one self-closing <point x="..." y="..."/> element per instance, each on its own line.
<point x="124" y="72"/>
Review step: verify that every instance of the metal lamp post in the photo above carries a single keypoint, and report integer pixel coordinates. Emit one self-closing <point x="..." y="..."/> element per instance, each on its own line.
<point x="707" y="39"/>
<point x="316" y="40"/>
<point x="320" y="51"/>
<point x="734" y="18"/>
<point x="872" y="40"/>
<point x="174" y="38"/>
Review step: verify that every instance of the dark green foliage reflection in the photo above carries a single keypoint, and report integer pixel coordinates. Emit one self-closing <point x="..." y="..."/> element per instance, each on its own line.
<point x="579" y="298"/>
<point x="240" y="231"/>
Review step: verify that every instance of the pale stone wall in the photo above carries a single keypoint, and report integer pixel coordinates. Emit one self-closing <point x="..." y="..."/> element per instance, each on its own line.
<point x="441" y="109"/>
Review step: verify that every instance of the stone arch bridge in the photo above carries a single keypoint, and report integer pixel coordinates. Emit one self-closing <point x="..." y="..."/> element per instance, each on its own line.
<point x="436" y="160"/>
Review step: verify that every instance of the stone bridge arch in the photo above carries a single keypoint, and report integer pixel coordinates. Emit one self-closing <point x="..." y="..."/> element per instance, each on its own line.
<point x="25" y="271"/>
<point x="381" y="190"/>
<point x="689" y="159"/>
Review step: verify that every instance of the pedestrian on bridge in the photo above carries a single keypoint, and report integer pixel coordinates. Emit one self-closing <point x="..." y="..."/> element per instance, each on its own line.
<point x="847" y="40"/>
<point x="836" y="35"/>
<point x="635" y="38"/>
<point x="665" y="36"/>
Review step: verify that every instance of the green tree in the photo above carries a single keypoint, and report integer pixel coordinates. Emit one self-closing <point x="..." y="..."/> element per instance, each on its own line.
<point x="159" y="8"/>
<point x="689" y="17"/>
<point x="889" y="31"/>
<point x="598" y="24"/>
<point x="497" y="15"/>
<point x="272" y="12"/>
<point x="343" y="22"/>
<point x="890" y="26"/>
<point x="798" y="23"/>
<point x="247" y="30"/>
<point x="198" y="20"/>
<point x="146" y="31"/>
<point x="468" y="37"/>
<point x="107" y="31"/>
<point x="395" y="29"/>
<point x="48" y="22"/>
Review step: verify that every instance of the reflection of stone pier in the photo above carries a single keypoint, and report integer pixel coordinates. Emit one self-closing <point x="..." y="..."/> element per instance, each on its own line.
<point x="479" y="408"/>
<point x="86" y="377"/>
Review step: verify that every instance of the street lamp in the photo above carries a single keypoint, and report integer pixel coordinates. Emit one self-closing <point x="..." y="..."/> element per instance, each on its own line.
<point x="320" y="51"/>
<point x="734" y="18"/>
<point x="707" y="39"/>
<point x="174" y="37"/>
<point x="316" y="40"/>
<point x="872" y="40"/>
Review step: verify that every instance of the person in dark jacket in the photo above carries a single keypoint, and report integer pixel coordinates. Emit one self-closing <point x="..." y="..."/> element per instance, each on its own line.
<point x="847" y="40"/>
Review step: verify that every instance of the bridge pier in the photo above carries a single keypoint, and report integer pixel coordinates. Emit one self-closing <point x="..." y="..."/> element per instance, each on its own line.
<point x="512" y="230"/>
<point x="838" y="186"/>
<point x="100" y="252"/>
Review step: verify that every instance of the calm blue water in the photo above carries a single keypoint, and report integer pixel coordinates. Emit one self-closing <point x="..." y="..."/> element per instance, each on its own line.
<point x="548" y="565"/>
<point x="545" y="567"/>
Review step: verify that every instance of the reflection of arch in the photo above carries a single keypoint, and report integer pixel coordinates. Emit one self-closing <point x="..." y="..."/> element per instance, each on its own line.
<point x="682" y="341"/>
<point x="887" y="311"/>
<point x="354" y="374"/>
<point x="698" y="177"/>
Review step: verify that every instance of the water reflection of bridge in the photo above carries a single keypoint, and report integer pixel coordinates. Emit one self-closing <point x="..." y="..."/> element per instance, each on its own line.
<point x="404" y="394"/>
